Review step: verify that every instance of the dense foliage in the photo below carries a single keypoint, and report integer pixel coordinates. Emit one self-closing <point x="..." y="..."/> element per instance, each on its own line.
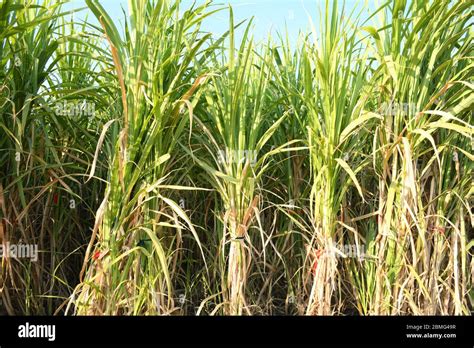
<point x="160" y="169"/>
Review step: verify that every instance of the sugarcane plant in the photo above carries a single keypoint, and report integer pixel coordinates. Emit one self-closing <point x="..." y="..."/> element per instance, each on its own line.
<point x="39" y="174"/>
<point x="335" y="78"/>
<point x="236" y="126"/>
<point x="421" y="155"/>
<point x="126" y="268"/>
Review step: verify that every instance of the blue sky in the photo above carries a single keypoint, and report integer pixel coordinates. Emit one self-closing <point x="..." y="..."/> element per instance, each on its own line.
<point x="269" y="15"/>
